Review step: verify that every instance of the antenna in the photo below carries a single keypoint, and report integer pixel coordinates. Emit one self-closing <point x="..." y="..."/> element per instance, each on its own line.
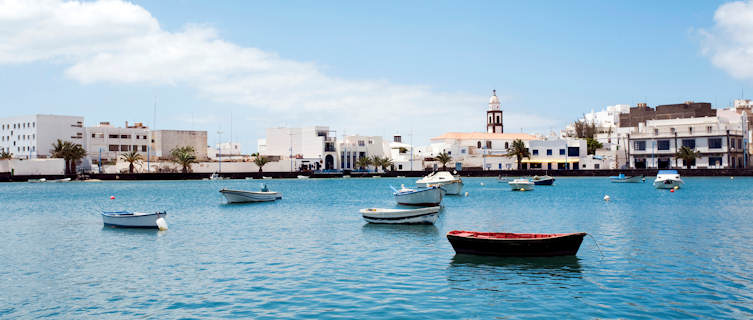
<point x="154" y="115"/>
<point x="231" y="127"/>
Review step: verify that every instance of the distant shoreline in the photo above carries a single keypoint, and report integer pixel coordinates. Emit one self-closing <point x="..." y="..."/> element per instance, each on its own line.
<point x="7" y="177"/>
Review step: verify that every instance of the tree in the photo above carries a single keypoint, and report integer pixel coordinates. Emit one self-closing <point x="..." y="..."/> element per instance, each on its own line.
<point x="131" y="157"/>
<point x="584" y="129"/>
<point x="6" y="155"/>
<point x="444" y="159"/>
<point x="592" y="144"/>
<point x="68" y="151"/>
<point x="687" y="155"/>
<point x="386" y="163"/>
<point x="260" y="161"/>
<point x="183" y="156"/>
<point x="518" y="150"/>
<point x="363" y="162"/>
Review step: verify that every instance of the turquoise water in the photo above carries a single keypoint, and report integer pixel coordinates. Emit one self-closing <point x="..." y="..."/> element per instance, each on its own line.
<point x="310" y="255"/>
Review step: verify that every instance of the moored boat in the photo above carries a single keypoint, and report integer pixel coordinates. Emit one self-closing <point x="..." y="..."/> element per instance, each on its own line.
<point x="303" y="177"/>
<point x="37" y="180"/>
<point x="239" y="196"/>
<point x="60" y="180"/>
<point x="521" y="185"/>
<point x="667" y="179"/>
<point x="401" y="216"/>
<point x="452" y="185"/>
<point x="543" y="180"/>
<point x="515" y="244"/>
<point x="217" y="176"/>
<point x="430" y="196"/>
<point x="622" y="178"/>
<point x="125" y="219"/>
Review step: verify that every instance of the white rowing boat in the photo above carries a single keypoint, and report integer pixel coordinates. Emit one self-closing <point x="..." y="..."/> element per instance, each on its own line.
<point x="401" y="216"/>
<point x="125" y="219"/>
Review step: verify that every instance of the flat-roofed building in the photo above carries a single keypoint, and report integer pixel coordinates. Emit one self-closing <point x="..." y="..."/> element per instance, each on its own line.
<point x="32" y="136"/>
<point x="164" y="141"/>
<point x="108" y="143"/>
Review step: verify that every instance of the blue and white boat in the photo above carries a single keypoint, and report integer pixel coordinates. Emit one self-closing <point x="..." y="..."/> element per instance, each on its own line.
<point x="126" y="219"/>
<point x="429" y="196"/>
<point x="622" y="178"/>
<point x="426" y="215"/>
<point x="240" y="196"/>
<point x="667" y="179"/>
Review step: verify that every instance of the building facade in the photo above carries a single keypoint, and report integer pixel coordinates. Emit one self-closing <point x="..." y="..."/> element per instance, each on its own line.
<point x="356" y="147"/>
<point x="106" y="143"/>
<point x="719" y="143"/>
<point x="642" y="112"/>
<point x="32" y="136"/>
<point x="307" y="148"/>
<point x="164" y="141"/>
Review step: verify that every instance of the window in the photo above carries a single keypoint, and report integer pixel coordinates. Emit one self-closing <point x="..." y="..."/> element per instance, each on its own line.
<point x="498" y="120"/>
<point x="535" y="152"/>
<point x="549" y="152"/>
<point x="361" y="143"/>
<point x="488" y="144"/>
<point x="690" y="129"/>
<point x="135" y="148"/>
<point x="462" y="151"/>
<point x="715" y="161"/>
<point x="371" y="141"/>
<point x="143" y="148"/>
<point x="573" y="151"/>
<point x="662" y="145"/>
<point x="125" y="136"/>
<point x="708" y="129"/>
<point x="739" y="143"/>
<point x="656" y="131"/>
<point x="690" y="143"/>
<point x="399" y="167"/>
<point x="114" y="147"/>
<point x="449" y="152"/>
<point x="596" y="166"/>
<point x="113" y="136"/>
<point x="507" y="146"/>
<point x="715" y="143"/>
<point x="562" y="152"/>
<point x="640" y="145"/>
<point x="478" y="144"/>
<point x="93" y="135"/>
<point x="124" y="147"/>
<point x="672" y="130"/>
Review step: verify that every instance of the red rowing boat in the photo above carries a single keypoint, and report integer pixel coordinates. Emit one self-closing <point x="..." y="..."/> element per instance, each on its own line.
<point x="515" y="244"/>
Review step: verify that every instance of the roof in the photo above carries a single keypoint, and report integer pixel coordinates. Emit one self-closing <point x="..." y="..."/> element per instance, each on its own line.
<point x="485" y="136"/>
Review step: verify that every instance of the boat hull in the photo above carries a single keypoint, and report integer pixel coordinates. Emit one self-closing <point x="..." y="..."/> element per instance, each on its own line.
<point x="424" y="197"/>
<point x="519" y="186"/>
<point x="136" y="220"/>
<point x="557" y="245"/>
<point x="237" y="196"/>
<point x="667" y="184"/>
<point x="415" y="216"/>
<point x="451" y="188"/>
<point x="634" y="179"/>
<point x="544" y="182"/>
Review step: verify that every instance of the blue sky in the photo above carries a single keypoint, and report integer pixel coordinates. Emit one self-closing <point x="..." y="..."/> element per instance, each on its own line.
<point x="369" y="68"/>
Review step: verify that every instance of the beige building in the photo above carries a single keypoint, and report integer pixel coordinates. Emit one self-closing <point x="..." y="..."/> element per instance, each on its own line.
<point x="108" y="142"/>
<point x="163" y="141"/>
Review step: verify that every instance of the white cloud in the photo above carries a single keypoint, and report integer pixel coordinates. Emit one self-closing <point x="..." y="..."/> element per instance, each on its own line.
<point x="118" y="42"/>
<point x="729" y="43"/>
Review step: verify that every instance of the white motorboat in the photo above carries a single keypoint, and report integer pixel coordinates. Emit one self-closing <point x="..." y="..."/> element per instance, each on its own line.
<point x="430" y="196"/>
<point x="266" y="178"/>
<point x="127" y="219"/>
<point x="521" y="185"/>
<point x="60" y="180"/>
<point x="303" y="177"/>
<point x="543" y="180"/>
<point x="451" y="184"/>
<point x="667" y="179"/>
<point x="622" y="178"/>
<point x="401" y="216"/>
<point x="37" y="180"/>
<point x="239" y="196"/>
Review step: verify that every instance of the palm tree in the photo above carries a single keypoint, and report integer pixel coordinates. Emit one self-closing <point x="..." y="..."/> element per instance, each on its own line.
<point x="183" y="156"/>
<point x="363" y="162"/>
<point x="260" y="161"/>
<point x="6" y="155"/>
<point x="376" y="161"/>
<point x="131" y="157"/>
<point x="518" y="150"/>
<point x="75" y="153"/>
<point x="687" y="155"/>
<point x="386" y="163"/>
<point x="444" y="158"/>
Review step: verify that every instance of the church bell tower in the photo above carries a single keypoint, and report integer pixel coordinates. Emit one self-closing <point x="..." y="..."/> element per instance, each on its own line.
<point x="494" y="115"/>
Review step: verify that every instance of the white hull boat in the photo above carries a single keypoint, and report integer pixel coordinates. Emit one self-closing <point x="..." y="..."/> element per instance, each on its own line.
<point x="521" y="185"/>
<point x="303" y="177"/>
<point x="452" y="185"/>
<point x="625" y="179"/>
<point x="668" y="179"/>
<point x="238" y="196"/>
<point x="37" y="180"/>
<point x="61" y="180"/>
<point x="431" y="196"/>
<point x="216" y="176"/>
<point x="401" y="216"/>
<point x="125" y="219"/>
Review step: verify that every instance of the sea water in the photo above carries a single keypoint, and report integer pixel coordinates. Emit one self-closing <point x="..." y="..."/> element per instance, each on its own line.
<point x="652" y="254"/>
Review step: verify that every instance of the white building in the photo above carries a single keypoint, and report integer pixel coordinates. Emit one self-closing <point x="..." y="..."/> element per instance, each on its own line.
<point x="108" y="143"/>
<point x="477" y="149"/>
<point x="308" y="148"/>
<point x="32" y="136"/>
<point x="559" y="154"/>
<point x="226" y="151"/>
<point x="405" y="156"/>
<point x="356" y="147"/>
<point x="719" y="141"/>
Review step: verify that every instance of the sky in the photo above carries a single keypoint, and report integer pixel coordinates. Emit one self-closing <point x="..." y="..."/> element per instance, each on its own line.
<point x="417" y="68"/>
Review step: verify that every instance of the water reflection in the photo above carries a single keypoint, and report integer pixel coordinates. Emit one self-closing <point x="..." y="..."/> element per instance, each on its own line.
<point x="400" y="229"/>
<point x="464" y="266"/>
<point x="131" y="231"/>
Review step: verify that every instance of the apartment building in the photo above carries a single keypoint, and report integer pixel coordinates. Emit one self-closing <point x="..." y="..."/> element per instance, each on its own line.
<point x="106" y="143"/>
<point x="32" y="136"/>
